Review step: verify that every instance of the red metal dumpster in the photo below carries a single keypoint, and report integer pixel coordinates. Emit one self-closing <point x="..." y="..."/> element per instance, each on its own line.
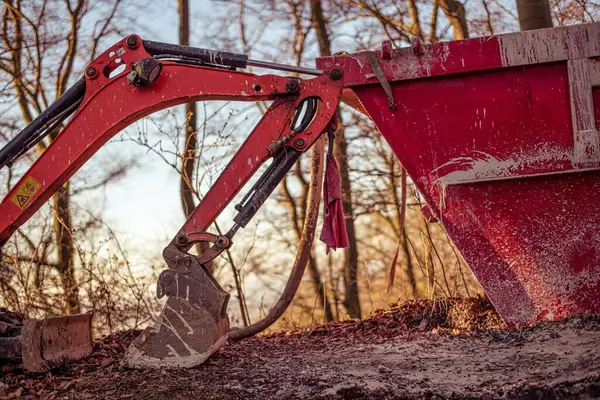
<point x="500" y="135"/>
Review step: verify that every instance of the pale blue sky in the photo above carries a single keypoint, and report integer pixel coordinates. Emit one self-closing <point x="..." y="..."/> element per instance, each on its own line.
<point x="143" y="207"/>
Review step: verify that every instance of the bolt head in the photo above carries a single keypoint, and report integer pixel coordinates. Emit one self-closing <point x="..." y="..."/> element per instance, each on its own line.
<point x="91" y="72"/>
<point x="221" y="242"/>
<point x="336" y="74"/>
<point x="292" y="86"/>
<point x="181" y="240"/>
<point x="300" y="142"/>
<point x="132" y="42"/>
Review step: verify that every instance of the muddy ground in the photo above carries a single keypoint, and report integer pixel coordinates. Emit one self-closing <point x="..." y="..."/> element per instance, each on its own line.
<point x="422" y="350"/>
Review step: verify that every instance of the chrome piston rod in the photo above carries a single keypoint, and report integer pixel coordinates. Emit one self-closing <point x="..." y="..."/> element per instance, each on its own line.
<point x="285" y="67"/>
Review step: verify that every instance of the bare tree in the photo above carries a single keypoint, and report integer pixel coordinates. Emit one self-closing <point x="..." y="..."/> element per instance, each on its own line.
<point x="456" y="15"/>
<point x="189" y="155"/>
<point x="190" y="144"/>
<point x="29" y="42"/>
<point x="352" y="299"/>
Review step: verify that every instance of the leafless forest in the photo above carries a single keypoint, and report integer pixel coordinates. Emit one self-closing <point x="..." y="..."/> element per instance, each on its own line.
<point x="68" y="259"/>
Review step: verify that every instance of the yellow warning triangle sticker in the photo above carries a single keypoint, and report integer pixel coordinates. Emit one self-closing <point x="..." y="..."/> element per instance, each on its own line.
<point x="25" y="192"/>
<point x="22" y="199"/>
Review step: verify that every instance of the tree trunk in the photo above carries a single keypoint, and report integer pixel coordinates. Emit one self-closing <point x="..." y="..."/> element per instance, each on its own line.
<point x="190" y="146"/>
<point x="61" y="200"/>
<point x="189" y="161"/>
<point x="402" y="225"/>
<point x="534" y="14"/>
<point x="410" y="269"/>
<point x="456" y="15"/>
<point x="352" y="301"/>
<point x="64" y="244"/>
<point x="319" y="288"/>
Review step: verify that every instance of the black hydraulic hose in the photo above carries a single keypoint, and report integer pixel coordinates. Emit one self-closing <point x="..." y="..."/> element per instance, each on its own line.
<point x="311" y="108"/>
<point x="38" y="129"/>
<point x="219" y="58"/>
<point x="207" y="56"/>
<point x="55" y="123"/>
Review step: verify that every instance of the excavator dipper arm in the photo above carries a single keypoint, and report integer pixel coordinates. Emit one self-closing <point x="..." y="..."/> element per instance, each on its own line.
<point x="133" y="79"/>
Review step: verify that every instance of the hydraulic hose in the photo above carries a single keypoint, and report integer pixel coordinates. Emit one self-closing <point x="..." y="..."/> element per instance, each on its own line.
<point x="304" y="249"/>
<point x="43" y="124"/>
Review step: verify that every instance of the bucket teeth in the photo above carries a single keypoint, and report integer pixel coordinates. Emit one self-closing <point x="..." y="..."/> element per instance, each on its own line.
<point x="183" y="336"/>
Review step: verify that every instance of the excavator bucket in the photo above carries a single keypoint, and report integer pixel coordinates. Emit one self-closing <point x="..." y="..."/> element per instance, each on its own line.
<point x="50" y="342"/>
<point x="183" y="336"/>
<point x="193" y="324"/>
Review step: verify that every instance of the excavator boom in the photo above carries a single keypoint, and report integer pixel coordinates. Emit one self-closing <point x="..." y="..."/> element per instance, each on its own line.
<point x="133" y="79"/>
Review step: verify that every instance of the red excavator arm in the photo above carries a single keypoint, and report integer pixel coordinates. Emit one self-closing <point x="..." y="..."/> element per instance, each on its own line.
<point x="133" y="79"/>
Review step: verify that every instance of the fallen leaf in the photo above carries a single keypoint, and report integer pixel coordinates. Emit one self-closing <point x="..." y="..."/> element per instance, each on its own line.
<point x="15" y="395"/>
<point x="107" y="361"/>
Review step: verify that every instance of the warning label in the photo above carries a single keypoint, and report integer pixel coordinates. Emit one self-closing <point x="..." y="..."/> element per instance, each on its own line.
<point x="25" y="193"/>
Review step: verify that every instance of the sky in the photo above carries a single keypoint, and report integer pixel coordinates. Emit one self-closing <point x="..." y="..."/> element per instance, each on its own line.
<point x="143" y="206"/>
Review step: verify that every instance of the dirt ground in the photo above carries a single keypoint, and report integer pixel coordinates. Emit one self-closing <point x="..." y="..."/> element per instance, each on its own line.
<point x="452" y="349"/>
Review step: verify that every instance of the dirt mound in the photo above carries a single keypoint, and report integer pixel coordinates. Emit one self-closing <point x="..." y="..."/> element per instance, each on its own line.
<point x="442" y="349"/>
<point x="451" y="316"/>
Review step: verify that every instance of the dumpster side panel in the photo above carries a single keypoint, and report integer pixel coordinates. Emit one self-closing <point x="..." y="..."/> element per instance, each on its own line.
<point x="495" y="156"/>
